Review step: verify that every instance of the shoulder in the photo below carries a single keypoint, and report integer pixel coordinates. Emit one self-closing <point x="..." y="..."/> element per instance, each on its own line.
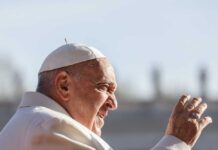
<point x="44" y="117"/>
<point x="48" y="114"/>
<point x="49" y="125"/>
<point x="48" y="120"/>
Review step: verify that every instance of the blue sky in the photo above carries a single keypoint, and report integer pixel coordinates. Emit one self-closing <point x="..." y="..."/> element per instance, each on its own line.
<point x="178" y="36"/>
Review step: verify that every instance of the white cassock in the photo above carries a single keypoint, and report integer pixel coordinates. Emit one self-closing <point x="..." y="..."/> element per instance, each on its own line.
<point x="42" y="124"/>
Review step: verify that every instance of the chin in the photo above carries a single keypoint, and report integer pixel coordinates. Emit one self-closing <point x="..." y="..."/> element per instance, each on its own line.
<point x="98" y="124"/>
<point x="97" y="131"/>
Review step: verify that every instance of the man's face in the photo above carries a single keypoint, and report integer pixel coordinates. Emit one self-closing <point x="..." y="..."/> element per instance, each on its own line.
<point x="93" y="94"/>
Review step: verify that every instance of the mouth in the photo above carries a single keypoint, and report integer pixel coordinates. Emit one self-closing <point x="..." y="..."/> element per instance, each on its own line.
<point x="99" y="121"/>
<point x="102" y="115"/>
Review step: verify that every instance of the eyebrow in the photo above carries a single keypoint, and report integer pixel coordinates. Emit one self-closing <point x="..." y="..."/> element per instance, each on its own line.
<point x="105" y="81"/>
<point x="114" y="84"/>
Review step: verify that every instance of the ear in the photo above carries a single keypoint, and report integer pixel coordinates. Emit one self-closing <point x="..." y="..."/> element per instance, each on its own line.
<point x="63" y="86"/>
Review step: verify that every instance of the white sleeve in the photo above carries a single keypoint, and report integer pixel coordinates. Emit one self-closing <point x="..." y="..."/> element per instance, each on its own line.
<point x="169" y="142"/>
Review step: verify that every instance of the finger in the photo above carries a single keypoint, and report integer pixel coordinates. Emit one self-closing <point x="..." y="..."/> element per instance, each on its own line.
<point x="181" y="103"/>
<point x="193" y="103"/>
<point x="199" y="110"/>
<point x="205" y="121"/>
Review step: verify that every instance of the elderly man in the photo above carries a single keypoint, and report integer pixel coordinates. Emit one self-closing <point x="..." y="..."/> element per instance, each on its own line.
<point x="75" y="92"/>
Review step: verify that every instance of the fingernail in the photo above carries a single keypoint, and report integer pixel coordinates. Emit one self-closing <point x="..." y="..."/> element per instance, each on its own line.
<point x="209" y="119"/>
<point x="204" y="104"/>
<point x="199" y="98"/>
<point x="188" y="96"/>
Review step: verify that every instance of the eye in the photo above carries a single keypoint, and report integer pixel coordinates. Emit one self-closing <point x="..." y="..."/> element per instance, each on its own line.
<point x="103" y="87"/>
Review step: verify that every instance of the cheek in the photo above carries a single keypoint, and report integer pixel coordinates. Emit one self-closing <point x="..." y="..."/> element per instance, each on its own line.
<point x="92" y="99"/>
<point x="99" y="99"/>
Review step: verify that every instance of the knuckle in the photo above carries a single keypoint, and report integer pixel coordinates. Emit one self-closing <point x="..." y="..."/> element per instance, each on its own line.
<point x="202" y="107"/>
<point x="190" y="106"/>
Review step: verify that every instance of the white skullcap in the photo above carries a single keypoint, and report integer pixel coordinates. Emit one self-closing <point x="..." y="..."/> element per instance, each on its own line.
<point x="69" y="54"/>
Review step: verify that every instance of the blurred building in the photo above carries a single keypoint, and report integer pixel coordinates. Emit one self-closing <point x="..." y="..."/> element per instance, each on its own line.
<point x="203" y="79"/>
<point x="140" y="125"/>
<point x="11" y="89"/>
<point x="156" y="80"/>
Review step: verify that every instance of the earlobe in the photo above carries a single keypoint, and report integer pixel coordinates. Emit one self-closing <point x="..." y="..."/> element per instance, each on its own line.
<point x="62" y="83"/>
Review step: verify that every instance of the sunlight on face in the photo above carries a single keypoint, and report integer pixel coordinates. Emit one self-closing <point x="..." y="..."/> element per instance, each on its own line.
<point x="94" y="95"/>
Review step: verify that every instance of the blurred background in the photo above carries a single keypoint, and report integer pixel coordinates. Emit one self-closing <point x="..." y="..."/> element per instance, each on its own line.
<point x="159" y="49"/>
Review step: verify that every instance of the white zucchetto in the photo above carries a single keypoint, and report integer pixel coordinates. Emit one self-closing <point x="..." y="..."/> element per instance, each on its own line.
<point x="69" y="54"/>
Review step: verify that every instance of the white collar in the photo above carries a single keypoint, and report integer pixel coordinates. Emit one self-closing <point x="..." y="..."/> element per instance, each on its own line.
<point x="31" y="99"/>
<point x="39" y="99"/>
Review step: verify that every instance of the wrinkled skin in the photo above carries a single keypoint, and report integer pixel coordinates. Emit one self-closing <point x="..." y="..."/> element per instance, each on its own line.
<point x="93" y="94"/>
<point x="183" y="124"/>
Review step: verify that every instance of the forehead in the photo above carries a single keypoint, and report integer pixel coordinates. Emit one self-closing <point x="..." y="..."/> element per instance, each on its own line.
<point x="99" y="70"/>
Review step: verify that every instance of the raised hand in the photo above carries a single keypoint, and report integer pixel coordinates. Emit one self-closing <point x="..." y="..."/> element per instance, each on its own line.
<point x="186" y="121"/>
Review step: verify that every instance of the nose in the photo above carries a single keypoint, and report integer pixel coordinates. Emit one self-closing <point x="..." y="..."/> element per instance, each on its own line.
<point x="111" y="102"/>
